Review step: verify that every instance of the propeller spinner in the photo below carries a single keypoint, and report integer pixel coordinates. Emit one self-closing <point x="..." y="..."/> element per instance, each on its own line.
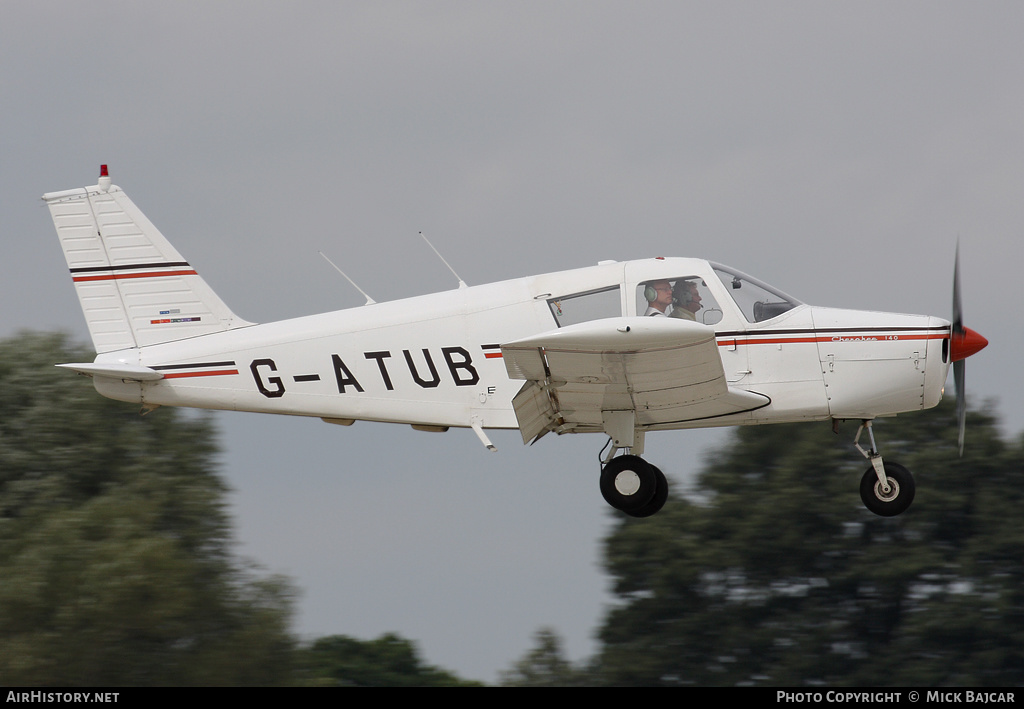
<point x="963" y="342"/>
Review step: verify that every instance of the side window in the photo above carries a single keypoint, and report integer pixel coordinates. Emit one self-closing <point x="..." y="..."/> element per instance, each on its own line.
<point x="583" y="307"/>
<point x="685" y="298"/>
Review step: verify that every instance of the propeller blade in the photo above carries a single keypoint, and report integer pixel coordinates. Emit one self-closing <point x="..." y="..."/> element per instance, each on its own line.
<point x="959" y="366"/>
<point x="963" y="342"/>
<point x="959" y="379"/>
<point x="958" y="314"/>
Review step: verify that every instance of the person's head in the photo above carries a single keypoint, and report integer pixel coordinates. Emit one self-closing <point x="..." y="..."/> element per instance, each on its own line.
<point x="658" y="294"/>
<point x="685" y="295"/>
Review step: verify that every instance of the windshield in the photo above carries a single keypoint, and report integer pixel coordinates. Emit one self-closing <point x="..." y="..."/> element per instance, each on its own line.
<point x="758" y="301"/>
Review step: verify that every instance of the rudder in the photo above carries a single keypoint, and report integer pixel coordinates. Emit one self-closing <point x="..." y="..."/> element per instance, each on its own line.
<point x="135" y="289"/>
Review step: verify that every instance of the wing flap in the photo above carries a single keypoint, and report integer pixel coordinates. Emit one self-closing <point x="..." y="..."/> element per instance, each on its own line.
<point x="667" y="371"/>
<point x="534" y="411"/>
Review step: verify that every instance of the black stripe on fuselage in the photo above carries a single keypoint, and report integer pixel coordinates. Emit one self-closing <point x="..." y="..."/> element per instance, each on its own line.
<point x="165" y="264"/>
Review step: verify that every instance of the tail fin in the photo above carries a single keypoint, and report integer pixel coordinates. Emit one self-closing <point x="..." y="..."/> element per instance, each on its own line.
<point x="134" y="287"/>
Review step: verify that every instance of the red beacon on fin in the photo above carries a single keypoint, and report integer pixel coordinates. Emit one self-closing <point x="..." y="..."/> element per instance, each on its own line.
<point x="104" y="182"/>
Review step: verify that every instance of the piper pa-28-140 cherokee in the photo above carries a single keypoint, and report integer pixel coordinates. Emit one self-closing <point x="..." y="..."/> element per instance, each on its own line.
<point x="618" y="348"/>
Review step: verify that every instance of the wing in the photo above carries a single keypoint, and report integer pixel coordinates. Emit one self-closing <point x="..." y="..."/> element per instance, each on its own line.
<point x="602" y="375"/>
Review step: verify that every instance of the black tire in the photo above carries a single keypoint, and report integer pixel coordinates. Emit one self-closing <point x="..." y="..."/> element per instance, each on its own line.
<point x="897" y="500"/>
<point x="659" y="499"/>
<point x="628" y="482"/>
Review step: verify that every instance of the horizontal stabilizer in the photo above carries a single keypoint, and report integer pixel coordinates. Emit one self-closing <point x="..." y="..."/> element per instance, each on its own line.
<point x="130" y="372"/>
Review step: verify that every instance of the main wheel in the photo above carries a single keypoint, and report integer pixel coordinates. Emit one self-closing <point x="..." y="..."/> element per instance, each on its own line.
<point x="628" y="483"/>
<point x="660" y="496"/>
<point x="899" y="496"/>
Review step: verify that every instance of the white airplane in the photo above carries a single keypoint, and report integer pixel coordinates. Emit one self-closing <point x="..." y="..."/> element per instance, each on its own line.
<point x="617" y="348"/>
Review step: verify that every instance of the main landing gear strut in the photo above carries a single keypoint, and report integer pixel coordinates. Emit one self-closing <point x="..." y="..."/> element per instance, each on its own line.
<point x="632" y="485"/>
<point x="887" y="489"/>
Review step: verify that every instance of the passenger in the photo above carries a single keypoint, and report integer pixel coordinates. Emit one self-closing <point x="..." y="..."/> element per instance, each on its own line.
<point x="659" y="297"/>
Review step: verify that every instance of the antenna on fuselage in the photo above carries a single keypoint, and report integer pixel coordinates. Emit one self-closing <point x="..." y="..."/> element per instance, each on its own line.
<point x="369" y="300"/>
<point x="462" y="283"/>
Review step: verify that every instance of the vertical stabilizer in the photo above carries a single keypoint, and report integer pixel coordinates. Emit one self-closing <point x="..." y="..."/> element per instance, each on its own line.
<point x="134" y="287"/>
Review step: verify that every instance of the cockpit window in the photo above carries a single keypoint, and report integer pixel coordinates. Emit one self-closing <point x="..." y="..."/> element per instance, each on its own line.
<point x="584" y="307"/>
<point x="686" y="298"/>
<point x="758" y="301"/>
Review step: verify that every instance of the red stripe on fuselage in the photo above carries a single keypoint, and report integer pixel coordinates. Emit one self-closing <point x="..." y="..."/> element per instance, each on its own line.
<point x="754" y="340"/>
<point x="180" y="375"/>
<point x="120" y="276"/>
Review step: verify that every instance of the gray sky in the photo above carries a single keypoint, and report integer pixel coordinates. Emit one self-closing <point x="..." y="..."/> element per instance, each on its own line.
<point x="835" y="150"/>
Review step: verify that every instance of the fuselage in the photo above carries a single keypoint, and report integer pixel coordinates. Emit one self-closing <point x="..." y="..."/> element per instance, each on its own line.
<point x="436" y="360"/>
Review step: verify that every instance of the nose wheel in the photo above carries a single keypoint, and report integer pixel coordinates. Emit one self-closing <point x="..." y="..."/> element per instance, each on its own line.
<point x="891" y="498"/>
<point x="632" y="485"/>
<point x="887" y="489"/>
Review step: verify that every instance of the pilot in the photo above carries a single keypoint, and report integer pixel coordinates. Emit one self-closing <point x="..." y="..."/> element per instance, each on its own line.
<point x="659" y="297"/>
<point x="685" y="300"/>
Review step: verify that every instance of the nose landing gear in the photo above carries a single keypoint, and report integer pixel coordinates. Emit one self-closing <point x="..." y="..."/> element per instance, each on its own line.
<point x="887" y="489"/>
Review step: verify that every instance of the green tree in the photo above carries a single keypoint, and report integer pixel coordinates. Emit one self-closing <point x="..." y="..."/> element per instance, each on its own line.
<point x="779" y="576"/>
<point x="546" y="666"/>
<point x="388" y="661"/>
<point x="115" y="552"/>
